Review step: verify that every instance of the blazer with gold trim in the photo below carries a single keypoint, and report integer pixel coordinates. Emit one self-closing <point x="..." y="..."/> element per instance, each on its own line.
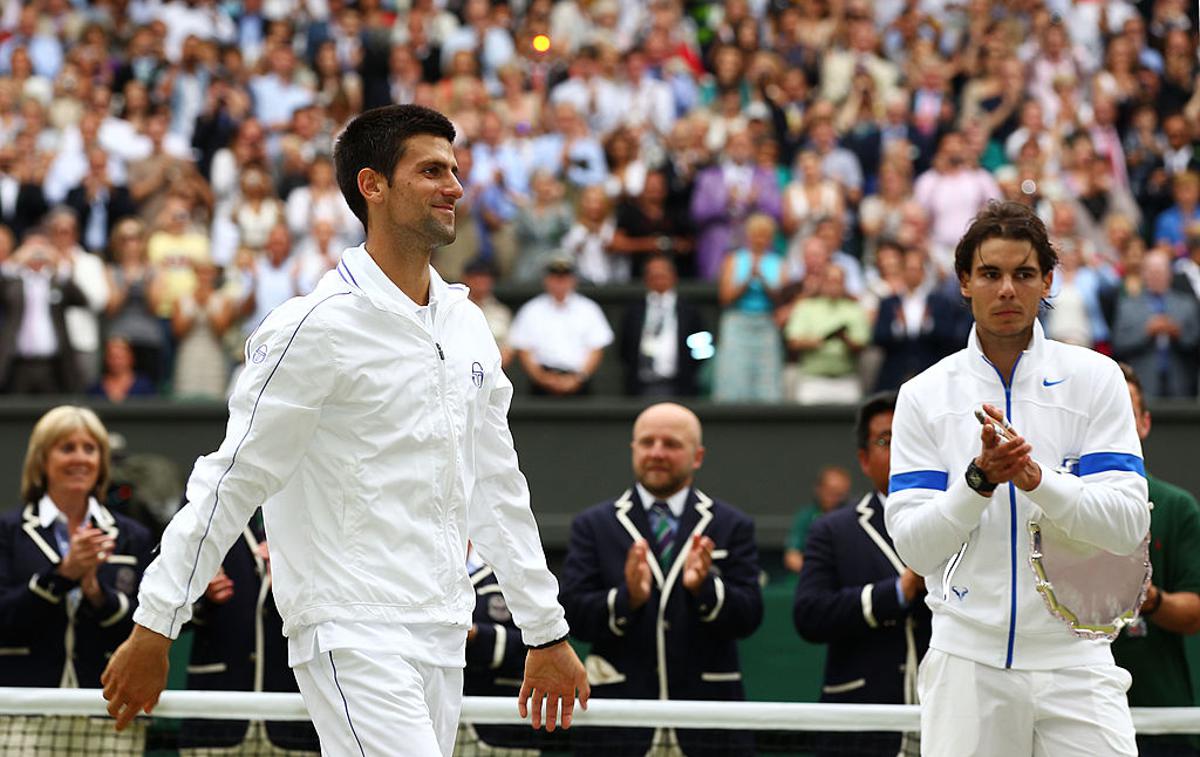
<point x="678" y="645"/>
<point x="48" y="636"/>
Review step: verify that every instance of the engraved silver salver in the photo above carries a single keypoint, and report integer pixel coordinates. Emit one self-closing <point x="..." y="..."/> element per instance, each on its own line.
<point x="1095" y="592"/>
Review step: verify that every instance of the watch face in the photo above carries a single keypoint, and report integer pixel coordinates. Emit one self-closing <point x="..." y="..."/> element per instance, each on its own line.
<point x="974" y="477"/>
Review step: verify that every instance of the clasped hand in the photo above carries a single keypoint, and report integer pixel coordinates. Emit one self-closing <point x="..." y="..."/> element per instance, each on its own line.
<point x="1006" y="459"/>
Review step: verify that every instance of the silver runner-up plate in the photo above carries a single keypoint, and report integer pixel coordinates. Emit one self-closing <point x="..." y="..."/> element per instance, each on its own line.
<point x="1095" y="592"/>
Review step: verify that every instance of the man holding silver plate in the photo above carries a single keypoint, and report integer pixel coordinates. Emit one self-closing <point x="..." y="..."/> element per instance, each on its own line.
<point x="1032" y="542"/>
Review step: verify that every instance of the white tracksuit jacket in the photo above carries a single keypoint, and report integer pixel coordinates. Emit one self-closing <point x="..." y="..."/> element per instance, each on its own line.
<point x="1073" y="406"/>
<point x="377" y="449"/>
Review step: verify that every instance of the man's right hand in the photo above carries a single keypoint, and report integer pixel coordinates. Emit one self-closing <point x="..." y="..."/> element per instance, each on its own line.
<point x="911" y="584"/>
<point x="637" y="574"/>
<point x="220" y="588"/>
<point x="136" y="675"/>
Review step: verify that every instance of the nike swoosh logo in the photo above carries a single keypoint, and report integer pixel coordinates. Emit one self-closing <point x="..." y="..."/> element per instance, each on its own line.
<point x="1048" y="382"/>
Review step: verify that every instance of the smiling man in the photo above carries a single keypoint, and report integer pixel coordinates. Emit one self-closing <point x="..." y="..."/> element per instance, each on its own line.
<point x="1003" y="676"/>
<point x="371" y="425"/>
<point x="663" y="581"/>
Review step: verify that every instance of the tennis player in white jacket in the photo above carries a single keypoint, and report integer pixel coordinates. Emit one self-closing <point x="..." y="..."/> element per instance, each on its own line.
<point x="371" y="424"/>
<point x="1003" y="676"/>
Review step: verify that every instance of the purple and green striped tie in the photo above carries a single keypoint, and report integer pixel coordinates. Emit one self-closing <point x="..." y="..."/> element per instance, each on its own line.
<point x="663" y="525"/>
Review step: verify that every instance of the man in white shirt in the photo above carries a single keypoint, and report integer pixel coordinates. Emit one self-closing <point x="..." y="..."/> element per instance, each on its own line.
<point x="560" y="335"/>
<point x="370" y="423"/>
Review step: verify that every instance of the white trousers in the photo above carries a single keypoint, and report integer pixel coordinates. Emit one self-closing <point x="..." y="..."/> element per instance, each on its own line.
<point x="968" y="708"/>
<point x="370" y="705"/>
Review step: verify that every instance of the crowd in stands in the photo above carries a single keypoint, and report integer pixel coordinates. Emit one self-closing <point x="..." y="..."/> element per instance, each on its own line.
<point x="165" y="177"/>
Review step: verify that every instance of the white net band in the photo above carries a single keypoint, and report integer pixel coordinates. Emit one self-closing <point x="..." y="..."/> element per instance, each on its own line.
<point x="625" y="713"/>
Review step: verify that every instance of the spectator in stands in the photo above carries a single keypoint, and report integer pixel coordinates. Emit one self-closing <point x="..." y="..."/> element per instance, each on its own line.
<point x="830" y="492"/>
<point x="120" y="378"/>
<point x="320" y="200"/>
<point x="725" y="196"/>
<point x="22" y="203"/>
<point x="1187" y="268"/>
<point x="828" y="331"/>
<point x="69" y="574"/>
<point x="98" y="202"/>
<point x="201" y="318"/>
<point x="860" y="53"/>
<point x="238" y="645"/>
<point x="809" y="197"/>
<point x="916" y="327"/>
<point x="1157" y="332"/>
<point x="87" y="271"/>
<point x="540" y="226"/>
<point x="1152" y="647"/>
<point x="657" y="332"/>
<point x="856" y="595"/>
<point x="952" y="192"/>
<point x="258" y="209"/>
<point x="663" y="560"/>
<point x="560" y="335"/>
<point x="879" y="215"/>
<point x="589" y="239"/>
<point x="174" y="249"/>
<point x="317" y="254"/>
<point x="749" y="355"/>
<point x="480" y="278"/>
<point x="1170" y="224"/>
<point x="274" y="278"/>
<point x="35" y="350"/>
<point x="647" y="225"/>
<point x="167" y="170"/>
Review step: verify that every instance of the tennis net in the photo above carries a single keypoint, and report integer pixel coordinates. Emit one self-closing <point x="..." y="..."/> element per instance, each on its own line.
<point x="67" y="722"/>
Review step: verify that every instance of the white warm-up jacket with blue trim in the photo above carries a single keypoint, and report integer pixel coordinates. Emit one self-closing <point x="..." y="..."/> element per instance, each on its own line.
<point x="1072" y="405"/>
<point x="377" y="447"/>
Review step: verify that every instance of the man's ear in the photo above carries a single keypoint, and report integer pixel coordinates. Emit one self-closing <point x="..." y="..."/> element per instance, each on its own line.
<point x="963" y="278"/>
<point x="1047" y="283"/>
<point x="371" y="184"/>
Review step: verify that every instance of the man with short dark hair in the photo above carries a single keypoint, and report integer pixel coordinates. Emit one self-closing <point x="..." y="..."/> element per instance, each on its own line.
<point x="371" y="413"/>
<point x="1152" y="647"/>
<point x="657" y="332"/>
<point x="856" y="595"/>
<point x="1003" y="676"/>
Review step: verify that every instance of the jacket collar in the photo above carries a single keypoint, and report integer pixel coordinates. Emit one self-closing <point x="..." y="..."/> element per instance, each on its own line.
<point x="870" y="518"/>
<point x="697" y="512"/>
<point x="358" y="269"/>
<point x="37" y="518"/>
<point x="48" y="512"/>
<point x="978" y="363"/>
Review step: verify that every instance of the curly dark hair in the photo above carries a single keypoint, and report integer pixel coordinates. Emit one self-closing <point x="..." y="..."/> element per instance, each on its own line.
<point x="1005" y="220"/>
<point x="376" y="139"/>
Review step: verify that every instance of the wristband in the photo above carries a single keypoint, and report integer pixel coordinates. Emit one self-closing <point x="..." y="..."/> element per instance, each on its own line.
<point x="548" y="644"/>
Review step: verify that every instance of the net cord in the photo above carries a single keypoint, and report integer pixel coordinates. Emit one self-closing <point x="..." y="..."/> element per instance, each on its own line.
<point x="628" y="713"/>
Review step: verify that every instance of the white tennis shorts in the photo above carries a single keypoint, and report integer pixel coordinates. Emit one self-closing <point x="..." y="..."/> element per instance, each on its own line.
<point x="968" y="708"/>
<point x="365" y="704"/>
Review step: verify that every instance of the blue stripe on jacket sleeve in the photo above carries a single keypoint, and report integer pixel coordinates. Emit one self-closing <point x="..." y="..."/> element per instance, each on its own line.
<point x="918" y="479"/>
<point x="1100" y="462"/>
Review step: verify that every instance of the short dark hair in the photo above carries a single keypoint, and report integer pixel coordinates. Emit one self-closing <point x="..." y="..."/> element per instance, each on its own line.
<point x="876" y="404"/>
<point x="1005" y="220"/>
<point x="1132" y="379"/>
<point x="376" y="139"/>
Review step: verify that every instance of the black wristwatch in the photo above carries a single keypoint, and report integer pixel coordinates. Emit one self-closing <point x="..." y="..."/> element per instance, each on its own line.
<point x="978" y="480"/>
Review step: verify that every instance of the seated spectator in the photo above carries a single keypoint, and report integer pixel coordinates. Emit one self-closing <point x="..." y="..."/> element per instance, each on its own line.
<point x="1157" y="332"/>
<point x="656" y="337"/>
<point x="560" y="335"/>
<point x="646" y="226"/>
<point x="120" y="378"/>
<point x="540" y="226"/>
<point x="915" y="327"/>
<point x="829" y="493"/>
<point x="201" y="318"/>
<point x="589" y="238"/>
<point x="35" y="350"/>
<point x="238" y="645"/>
<point x="749" y="356"/>
<point x="133" y="299"/>
<point x="480" y="278"/>
<point x="1170" y="224"/>
<point x="68" y="586"/>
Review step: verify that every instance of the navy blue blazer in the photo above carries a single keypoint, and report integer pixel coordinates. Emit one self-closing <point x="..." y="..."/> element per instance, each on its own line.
<point x="698" y="658"/>
<point x="846" y="597"/>
<point x="943" y="331"/>
<point x="226" y="652"/>
<point x="36" y="602"/>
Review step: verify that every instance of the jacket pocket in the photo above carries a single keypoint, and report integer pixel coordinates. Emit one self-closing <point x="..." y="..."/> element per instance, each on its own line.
<point x="212" y="667"/>
<point x="842" y="688"/>
<point x="721" y="677"/>
<point x="600" y="671"/>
